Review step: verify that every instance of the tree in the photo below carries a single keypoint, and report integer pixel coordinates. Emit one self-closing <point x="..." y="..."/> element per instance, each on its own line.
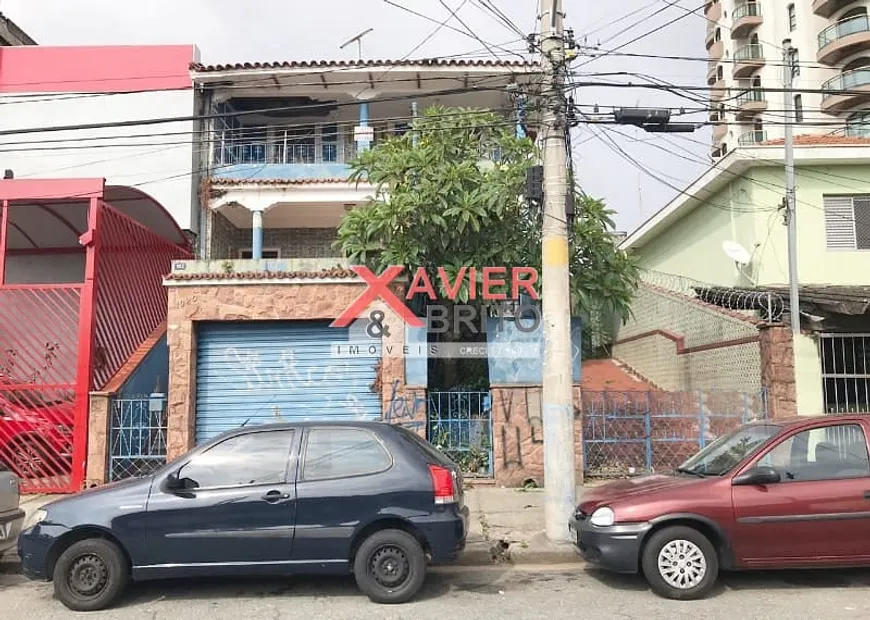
<point x="449" y="193"/>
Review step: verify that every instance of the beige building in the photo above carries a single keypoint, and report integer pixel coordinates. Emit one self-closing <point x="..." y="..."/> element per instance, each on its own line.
<point x="744" y="42"/>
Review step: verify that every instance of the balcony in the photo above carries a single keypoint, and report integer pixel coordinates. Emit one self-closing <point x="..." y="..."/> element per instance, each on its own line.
<point x="712" y="67"/>
<point x="747" y="60"/>
<point x="716" y="51"/>
<point x="713" y="10"/>
<point x="711" y="35"/>
<point x="826" y="8"/>
<point x="843" y="38"/>
<point x="745" y="17"/>
<point x="752" y="138"/>
<point x="856" y="82"/>
<point x="718" y="90"/>
<point x="750" y="102"/>
<point x="719" y="131"/>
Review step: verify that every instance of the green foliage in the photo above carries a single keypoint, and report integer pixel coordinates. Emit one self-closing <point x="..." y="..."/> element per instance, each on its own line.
<point x="436" y="205"/>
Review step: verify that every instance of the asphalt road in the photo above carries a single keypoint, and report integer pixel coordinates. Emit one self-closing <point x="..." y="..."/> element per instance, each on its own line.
<point x="467" y="594"/>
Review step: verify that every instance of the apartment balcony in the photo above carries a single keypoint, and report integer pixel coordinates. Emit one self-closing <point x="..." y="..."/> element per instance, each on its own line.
<point x="718" y="90"/>
<point x="713" y="10"/>
<point x="720" y="130"/>
<point x="857" y="85"/>
<point x="750" y="102"/>
<point x="826" y="8"/>
<point x="752" y="138"/>
<point x="745" y="18"/>
<point x="716" y="51"/>
<point x="712" y="67"/>
<point x="846" y="37"/>
<point x="747" y="60"/>
<point x="281" y="158"/>
<point x="711" y="35"/>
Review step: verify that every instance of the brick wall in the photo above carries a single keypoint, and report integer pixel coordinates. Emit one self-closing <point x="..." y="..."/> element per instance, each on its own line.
<point x="252" y="302"/>
<point x="226" y="240"/>
<point x="777" y="370"/>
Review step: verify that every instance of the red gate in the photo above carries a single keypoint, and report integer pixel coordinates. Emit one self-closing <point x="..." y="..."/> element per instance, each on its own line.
<point x="81" y="287"/>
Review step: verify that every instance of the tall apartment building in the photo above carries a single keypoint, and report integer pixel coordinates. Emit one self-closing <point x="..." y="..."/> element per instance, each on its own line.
<point x="744" y="46"/>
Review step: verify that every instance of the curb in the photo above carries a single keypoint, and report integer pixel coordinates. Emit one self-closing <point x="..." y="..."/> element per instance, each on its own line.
<point x="500" y="553"/>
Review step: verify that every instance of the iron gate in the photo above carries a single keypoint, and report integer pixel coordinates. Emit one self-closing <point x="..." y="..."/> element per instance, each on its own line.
<point x="460" y="425"/>
<point x="627" y="433"/>
<point x="138" y="436"/>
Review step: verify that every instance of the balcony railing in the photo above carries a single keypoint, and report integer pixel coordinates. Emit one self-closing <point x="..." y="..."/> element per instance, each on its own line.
<point x="756" y="136"/>
<point x="853" y="25"/>
<point x="753" y="95"/>
<point x="848" y="80"/>
<point x="749" y="9"/>
<point x="750" y="52"/>
<point x="858" y="126"/>
<point x="280" y="150"/>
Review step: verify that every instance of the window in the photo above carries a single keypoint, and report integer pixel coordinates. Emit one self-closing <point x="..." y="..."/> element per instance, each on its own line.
<point x="828" y="453"/>
<point x="845" y="372"/>
<point x="246" y="460"/>
<point x="343" y="452"/>
<point x="400" y="129"/>
<point x="796" y="62"/>
<point x="329" y="143"/>
<point x="798" y="109"/>
<point x="728" y="451"/>
<point x="792" y="18"/>
<point x="249" y="253"/>
<point x="847" y="222"/>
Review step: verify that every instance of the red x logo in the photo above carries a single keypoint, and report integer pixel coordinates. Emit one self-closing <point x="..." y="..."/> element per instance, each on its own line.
<point x="378" y="286"/>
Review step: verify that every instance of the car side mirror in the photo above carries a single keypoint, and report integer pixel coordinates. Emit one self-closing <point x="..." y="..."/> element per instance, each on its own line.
<point x="757" y="476"/>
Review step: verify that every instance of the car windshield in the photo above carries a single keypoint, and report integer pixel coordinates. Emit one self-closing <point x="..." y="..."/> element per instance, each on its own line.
<point x="725" y="453"/>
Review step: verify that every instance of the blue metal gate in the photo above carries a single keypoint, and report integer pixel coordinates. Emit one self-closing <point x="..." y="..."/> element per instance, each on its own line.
<point x="460" y="425"/>
<point x="137" y="435"/>
<point x="627" y="433"/>
<point x="273" y="371"/>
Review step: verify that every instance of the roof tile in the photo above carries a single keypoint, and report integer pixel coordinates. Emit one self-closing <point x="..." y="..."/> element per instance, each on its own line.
<point x="328" y="64"/>
<point x="820" y="140"/>
<point x="219" y="181"/>
<point x="324" y="274"/>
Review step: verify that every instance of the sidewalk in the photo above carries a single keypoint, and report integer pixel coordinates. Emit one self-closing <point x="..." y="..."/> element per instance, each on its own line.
<point x="506" y="527"/>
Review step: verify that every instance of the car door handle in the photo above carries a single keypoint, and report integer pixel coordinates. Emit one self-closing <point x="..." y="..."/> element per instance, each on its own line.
<point x="866" y="494"/>
<point x="274" y="496"/>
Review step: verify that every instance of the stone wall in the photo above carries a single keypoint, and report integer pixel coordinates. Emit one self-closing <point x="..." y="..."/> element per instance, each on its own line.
<point x="226" y="241"/>
<point x="229" y="301"/>
<point x="777" y="370"/>
<point x="518" y="438"/>
<point x="99" y="419"/>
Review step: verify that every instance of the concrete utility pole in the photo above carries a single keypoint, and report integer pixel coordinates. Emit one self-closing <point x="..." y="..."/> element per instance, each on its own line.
<point x="788" y="54"/>
<point x="558" y="407"/>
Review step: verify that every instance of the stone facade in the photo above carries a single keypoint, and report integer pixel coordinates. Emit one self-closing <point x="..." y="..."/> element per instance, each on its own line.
<point x="98" y="439"/>
<point x="226" y="241"/>
<point x="193" y="302"/>
<point x="777" y="369"/>
<point x="518" y="438"/>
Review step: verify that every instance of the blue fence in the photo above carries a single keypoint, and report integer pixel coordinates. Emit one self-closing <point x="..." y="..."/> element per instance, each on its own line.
<point x="138" y="436"/>
<point x="626" y="433"/>
<point x="460" y="425"/>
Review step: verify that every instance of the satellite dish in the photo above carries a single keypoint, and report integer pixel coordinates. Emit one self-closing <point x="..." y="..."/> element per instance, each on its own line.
<point x="736" y="252"/>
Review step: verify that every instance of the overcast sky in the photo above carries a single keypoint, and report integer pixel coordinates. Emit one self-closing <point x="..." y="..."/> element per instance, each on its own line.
<point x="263" y="30"/>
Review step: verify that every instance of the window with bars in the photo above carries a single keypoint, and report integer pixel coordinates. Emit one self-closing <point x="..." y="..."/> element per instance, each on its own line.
<point x="845" y="372"/>
<point x="792" y="18"/>
<point x="847" y="222"/>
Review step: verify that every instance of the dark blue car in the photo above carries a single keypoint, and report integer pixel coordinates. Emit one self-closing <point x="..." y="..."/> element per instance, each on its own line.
<point x="372" y="499"/>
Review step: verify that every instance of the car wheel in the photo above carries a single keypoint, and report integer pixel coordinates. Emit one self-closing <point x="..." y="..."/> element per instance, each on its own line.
<point x="90" y="575"/>
<point x="390" y="566"/>
<point x="680" y="563"/>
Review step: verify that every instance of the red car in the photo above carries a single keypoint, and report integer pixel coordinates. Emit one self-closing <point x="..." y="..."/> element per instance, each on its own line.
<point x="772" y="494"/>
<point x="36" y="442"/>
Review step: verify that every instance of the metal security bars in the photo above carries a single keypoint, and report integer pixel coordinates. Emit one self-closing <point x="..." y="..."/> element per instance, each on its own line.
<point x="460" y="425"/>
<point x="138" y="436"/>
<point x="845" y="372"/>
<point x="627" y="433"/>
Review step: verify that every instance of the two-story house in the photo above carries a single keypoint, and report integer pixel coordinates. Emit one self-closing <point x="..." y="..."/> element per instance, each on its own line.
<point x="249" y="321"/>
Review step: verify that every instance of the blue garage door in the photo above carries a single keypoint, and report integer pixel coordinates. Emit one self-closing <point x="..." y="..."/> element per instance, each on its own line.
<point x="256" y="373"/>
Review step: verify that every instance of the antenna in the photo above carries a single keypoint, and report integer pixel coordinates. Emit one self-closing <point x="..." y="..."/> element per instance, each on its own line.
<point x="740" y="256"/>
<point x="358" y="39"/>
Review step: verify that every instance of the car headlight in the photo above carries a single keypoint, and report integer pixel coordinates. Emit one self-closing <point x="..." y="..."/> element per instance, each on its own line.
<point x="603" y="517"/>
<point x="35" y="518"/>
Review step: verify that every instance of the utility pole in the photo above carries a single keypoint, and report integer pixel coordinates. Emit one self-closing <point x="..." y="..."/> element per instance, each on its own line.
<point x="788" y="54"/>
<point x="558" y="407"/>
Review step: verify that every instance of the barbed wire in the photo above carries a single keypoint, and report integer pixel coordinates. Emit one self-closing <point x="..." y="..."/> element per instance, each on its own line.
<point x="766" y="305"/>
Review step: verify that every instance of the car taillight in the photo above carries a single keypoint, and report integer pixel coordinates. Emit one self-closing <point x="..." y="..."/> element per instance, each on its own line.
<point x="442" y="480"/>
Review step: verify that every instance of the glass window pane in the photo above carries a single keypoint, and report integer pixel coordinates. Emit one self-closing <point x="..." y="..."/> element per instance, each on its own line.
<point x="252" y="459"/>
<point x="828" y="453"/>
<point x="341" y="452"/>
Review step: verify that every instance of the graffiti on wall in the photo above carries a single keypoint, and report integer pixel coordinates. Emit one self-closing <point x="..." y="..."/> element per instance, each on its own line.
<point x="405" y="409"/>
<point x="522" y="425"/>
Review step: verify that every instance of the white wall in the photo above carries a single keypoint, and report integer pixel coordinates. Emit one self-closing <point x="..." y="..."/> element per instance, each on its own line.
<point x="158" y="164"/>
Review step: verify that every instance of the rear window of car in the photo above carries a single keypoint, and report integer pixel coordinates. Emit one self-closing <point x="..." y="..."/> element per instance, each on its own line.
<point x="436" y="457"/>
